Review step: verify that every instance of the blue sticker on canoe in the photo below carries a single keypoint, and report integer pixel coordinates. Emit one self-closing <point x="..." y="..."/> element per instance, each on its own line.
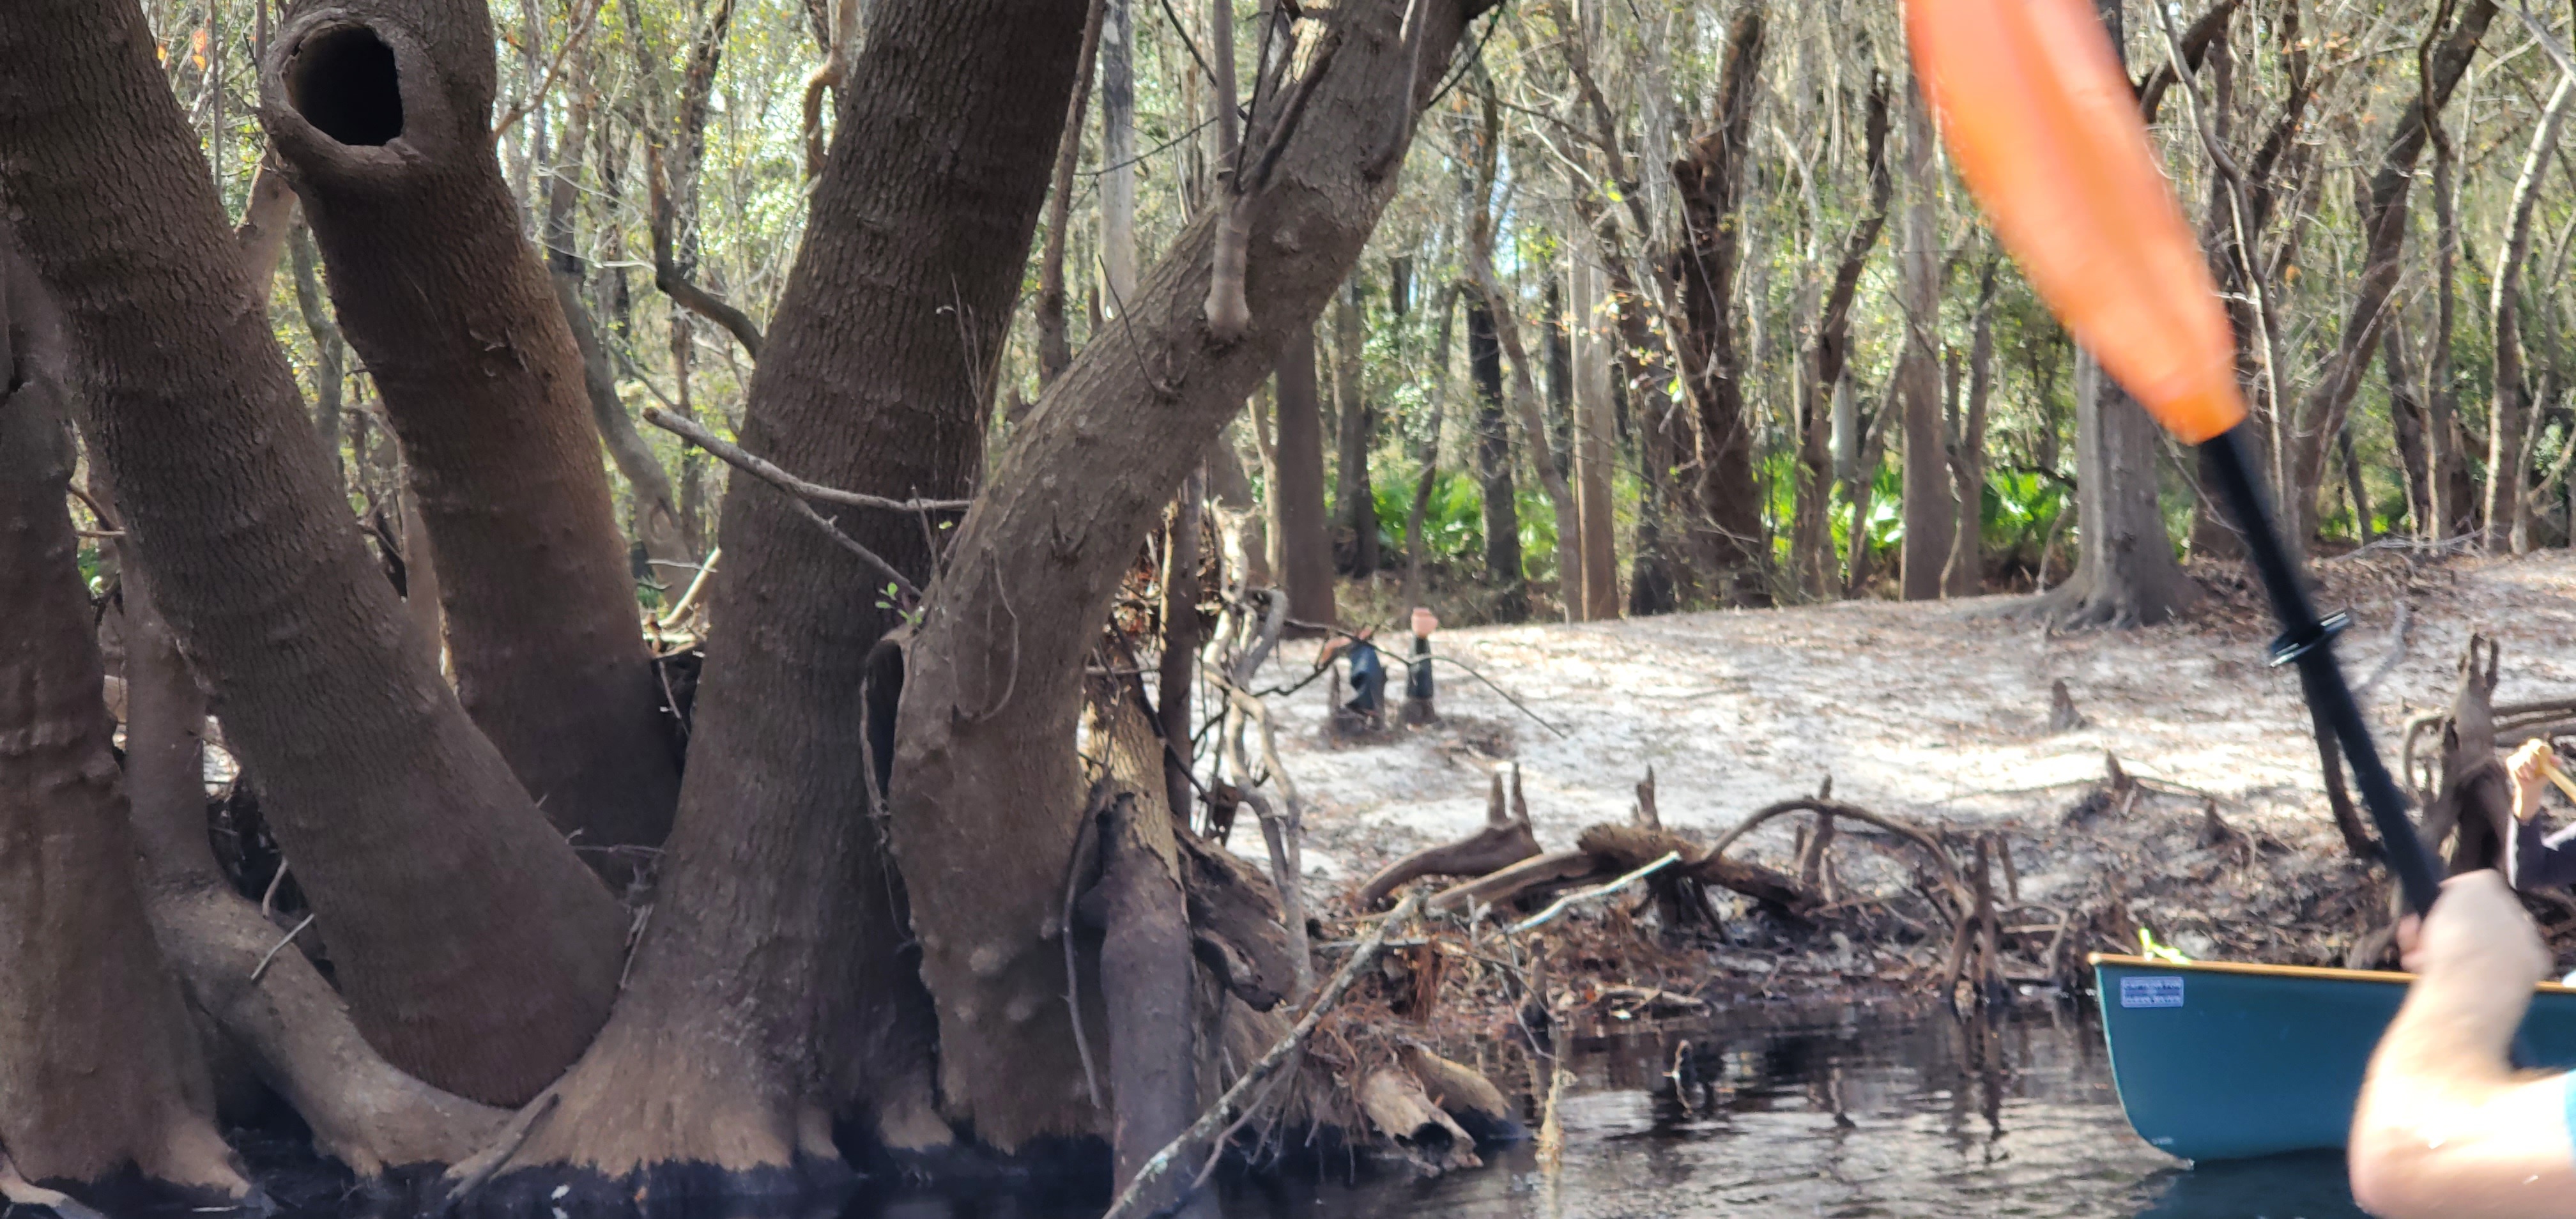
<point x="2164" y="990"/>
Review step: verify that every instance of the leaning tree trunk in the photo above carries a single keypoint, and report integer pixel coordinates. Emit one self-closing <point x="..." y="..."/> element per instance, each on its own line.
<point x="773" y="987"/>
<point x="99" y="1065"/>
<point x="1305" y="536"/>
<point x="2508" y="514"/>
<point x="987" y="784"/>
<point x="1729" y="544"/>
<point x="474" y="947"/>
<point x="382" y="112"/>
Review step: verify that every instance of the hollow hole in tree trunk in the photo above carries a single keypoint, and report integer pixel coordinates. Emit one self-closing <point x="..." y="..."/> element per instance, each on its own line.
<point x="345" y="83"/>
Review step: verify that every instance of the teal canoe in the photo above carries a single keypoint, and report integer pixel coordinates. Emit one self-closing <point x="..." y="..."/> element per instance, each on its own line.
<point x="2218" y="1061"/>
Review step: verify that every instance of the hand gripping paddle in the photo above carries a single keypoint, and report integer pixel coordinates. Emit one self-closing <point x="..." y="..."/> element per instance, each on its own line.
<point x="2042" y="122"/>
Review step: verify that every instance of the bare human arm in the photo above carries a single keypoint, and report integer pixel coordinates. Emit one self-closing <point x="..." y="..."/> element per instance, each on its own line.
<point x="2445" y="1128"/>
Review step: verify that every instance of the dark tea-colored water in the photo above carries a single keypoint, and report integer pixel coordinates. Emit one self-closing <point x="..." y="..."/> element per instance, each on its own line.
<point x="1843" y="1115"/>
<point x="1817" y="1116"/>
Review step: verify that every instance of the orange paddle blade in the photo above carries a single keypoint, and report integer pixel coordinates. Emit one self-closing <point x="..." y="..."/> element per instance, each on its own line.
<point x="2043" y="124"/>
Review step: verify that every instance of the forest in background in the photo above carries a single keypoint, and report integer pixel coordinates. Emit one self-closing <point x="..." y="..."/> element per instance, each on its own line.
<point x="1785" y="259"/>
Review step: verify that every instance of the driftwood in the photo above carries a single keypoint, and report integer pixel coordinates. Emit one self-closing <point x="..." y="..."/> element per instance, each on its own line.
<point x="1235" y="923"/>
<point x="1552" y="870"/>
<point x="1215" y="1119"/>
<point x="1505" y="840"/>
<point x="1394" y="1101"/>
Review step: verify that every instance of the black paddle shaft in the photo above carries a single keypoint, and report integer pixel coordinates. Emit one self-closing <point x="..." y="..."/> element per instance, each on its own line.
<point x="2308" y="642"/>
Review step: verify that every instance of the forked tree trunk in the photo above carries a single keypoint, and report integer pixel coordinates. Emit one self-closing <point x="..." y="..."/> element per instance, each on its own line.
<point x="475" y="948"/>
<point x="269" y="1004"/>
<point x="987" y="784"/>
<point x="774" y="985"/>
<point x="1728" y="542"/>
<point x="381" y="110"/>
<point x="99" y="1066"/>
<point x="1305" y="537"/>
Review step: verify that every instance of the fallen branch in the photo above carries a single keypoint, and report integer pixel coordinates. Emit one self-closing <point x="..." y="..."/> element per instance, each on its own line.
<point x="1222" y="1112"/>
<point x="1915" y="834"/>
<point x="734" y="455"/>
<point x="1505" y="840"/>
<point x="1560" y="905"/>
<point x="262" y="967"/>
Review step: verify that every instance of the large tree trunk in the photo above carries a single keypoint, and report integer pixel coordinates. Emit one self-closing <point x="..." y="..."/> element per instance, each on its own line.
<point x="774" y="985"/>
<point x="381" y="110"/>
<point x="2508" y="507"/>
<point x="1728" y="540"/>
<point x="99" y="1066"/>
<point x="1354" y="498"/>
<point x="1305" y="536"/>
<point x="988" y="785"/>
<point x="1931" y="509"/>
<point x="2125" y="573"/>
<point x="475" y="948"/>
<point x="271" y="1005"/>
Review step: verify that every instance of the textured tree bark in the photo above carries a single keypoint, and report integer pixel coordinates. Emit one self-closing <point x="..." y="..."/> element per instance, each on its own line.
<point x="381" y="111"/>
<point x="2508" y="507"/>
<point x="474" y="947"/>
<point x="1502" y="519"/>
<point x="1728" y="543"/>
<point x="1354" y="498"/>
<point x="1596" y="443"/>
<point x="774" y="985"/>
<point x="1931" y="511"/>
<point x="99" y="1066"/>
<point x="987" y="784"/>
<point x="1305" y="536"/>
<point x="274" y="1006"/>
